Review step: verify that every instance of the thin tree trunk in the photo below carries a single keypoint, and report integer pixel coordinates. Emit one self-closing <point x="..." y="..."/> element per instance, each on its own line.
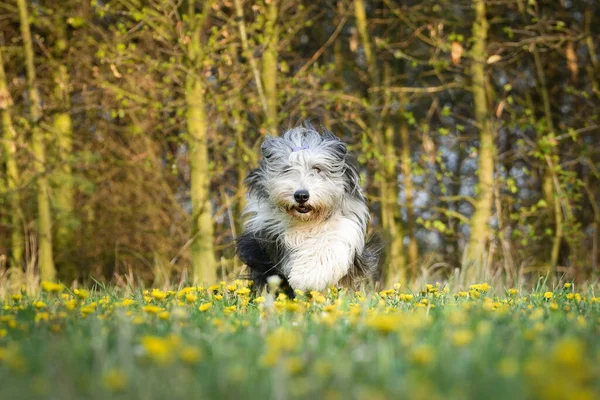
<point x="473" y="261"/>
<point x="239" y="11"/>
<point x="382" y="134"/>
<point x="550" y="194"/>
<point x="405" y="160"/>
<point x="62" y="127"/>
<point x="203" y="258"/>
<point x="10" y="139"/>
<point x="46" y="258"/>
<point x="269" y="65"/>
<point x="390" y="209"/>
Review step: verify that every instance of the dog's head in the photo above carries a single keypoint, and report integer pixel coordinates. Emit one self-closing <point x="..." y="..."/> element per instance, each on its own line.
<point x="305" y="174"/>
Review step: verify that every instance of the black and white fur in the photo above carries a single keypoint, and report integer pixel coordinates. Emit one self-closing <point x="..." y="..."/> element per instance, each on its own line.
<point x="307" y="215"/>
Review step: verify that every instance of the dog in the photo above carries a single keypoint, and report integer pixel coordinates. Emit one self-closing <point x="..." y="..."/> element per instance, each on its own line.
<point x="307" y="215"/>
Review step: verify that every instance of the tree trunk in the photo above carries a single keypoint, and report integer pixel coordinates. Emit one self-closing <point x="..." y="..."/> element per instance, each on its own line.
<point x="9" y="137"/>
<point x="46" y="258"/>
<point x="203" y="258"/>
<point x="548" y="187"/>
<point x="405" y="160"/>
<point x="269" y="65"/>
<point x="473" y="260"/>
<point x="63" y="179"/>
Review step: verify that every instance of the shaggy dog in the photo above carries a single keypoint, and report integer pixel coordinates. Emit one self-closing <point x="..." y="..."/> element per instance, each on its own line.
<point x="307" y="215"/>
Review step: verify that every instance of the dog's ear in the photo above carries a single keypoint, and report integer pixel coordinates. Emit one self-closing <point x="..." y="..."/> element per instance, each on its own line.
<point x="337" y="144"/>
<point x="268" y="147"/>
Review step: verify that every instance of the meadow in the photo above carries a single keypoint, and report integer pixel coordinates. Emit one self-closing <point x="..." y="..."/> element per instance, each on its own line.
<point x="222" y="341"/>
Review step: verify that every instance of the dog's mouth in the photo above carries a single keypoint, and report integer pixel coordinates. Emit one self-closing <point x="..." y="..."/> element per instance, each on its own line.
<point x="303" y="208"/>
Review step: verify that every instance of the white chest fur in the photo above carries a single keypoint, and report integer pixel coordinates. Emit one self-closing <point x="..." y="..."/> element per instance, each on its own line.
<point x="321" y="254"/>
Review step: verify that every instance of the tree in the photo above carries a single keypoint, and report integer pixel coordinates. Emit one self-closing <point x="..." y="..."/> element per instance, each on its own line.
<point x="10" y="139"/>
<point x="475" y="251"/>
<point x="203" y="257"/>
<point x="44" y="223"/>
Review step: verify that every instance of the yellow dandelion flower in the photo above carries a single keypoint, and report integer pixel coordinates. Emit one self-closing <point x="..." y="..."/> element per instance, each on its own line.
<point x="16" y="297"/>
<point x="205" y="307"/>
<point x="548" y="295"/>
<point x="294" y="365"/>
<point x="213" y="288"/>
<point x="462" y="337"/>
<point x="164" y="315"/>
<point x="42" y="316"/>
<point x="115" y="380"/>
<point x="406" y="297"/>
<point x="385" y="323"/>
<point x="191" y="298"/>
<point x="82" y="293"/>
<point x="71" y="304"/>
<point x="39" y="304"/>
<point x="229" y="310"/>
<point x="159" y="349"/>
<point x="282" y="339"/>
<point x="190" y="355"/>
<point x="128" y="302"/>
<point x="422" y="355"/>
<point x="218" y="297"/>
<point x="567" y="285"/>
<point x="512" y="292"/>
<point x="151" y="309"/>
<point x="51" y="287"/>
<point x="243" y="291"/>
<point x="158" y="294"/>
<point x="260" y="299"/>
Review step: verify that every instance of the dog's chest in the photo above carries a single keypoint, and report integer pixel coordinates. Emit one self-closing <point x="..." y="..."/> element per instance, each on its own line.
<point x="320" y="255"/>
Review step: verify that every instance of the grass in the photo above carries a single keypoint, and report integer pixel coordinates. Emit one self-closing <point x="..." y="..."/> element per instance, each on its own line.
<point x="221" y="342"/>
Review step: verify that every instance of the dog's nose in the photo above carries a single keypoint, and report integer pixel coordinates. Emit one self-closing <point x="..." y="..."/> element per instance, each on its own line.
<point x="301" y="196"/>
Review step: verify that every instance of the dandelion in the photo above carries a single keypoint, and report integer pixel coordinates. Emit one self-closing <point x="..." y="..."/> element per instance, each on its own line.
<point x="16" y="297"/>
<point x="51" y="287"/>
<point x="567" y="285"/>
<point x="81" y="293"/>
<point x="548" y="295"/>
<point x="151" y="309"/>
<point x="243" y="291"/>
<point x="158" y="294"/>
<point x="422" y="355"/>
<point x="115" y="380"/>
<point x="191" y="298"/>
<point x="128" y="302"/>
<point x="294" y="365"/>
<point x="462" y="337"/>
<point x="161" y="350"/>
<point x="164" y="315"/>
<point x="229" y="310"/>
<point x="205" y="307"/>
<point x="259" y="300"/>
<point x="190" y="355"/>
<point x="39" y="304"/>
<point x="385" y="323"/>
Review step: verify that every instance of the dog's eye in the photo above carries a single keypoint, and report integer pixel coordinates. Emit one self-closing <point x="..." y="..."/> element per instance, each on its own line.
<point x="317" y="169"/>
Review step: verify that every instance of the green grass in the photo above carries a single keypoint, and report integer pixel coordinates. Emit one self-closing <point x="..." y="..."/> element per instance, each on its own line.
<point x="63" y="344"/>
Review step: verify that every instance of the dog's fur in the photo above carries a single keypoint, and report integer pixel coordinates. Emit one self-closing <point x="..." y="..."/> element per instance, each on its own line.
<point x="319" y="243"/>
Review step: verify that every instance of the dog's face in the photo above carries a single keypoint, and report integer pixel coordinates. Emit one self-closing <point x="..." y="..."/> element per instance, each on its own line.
<point x="306" y="174"/>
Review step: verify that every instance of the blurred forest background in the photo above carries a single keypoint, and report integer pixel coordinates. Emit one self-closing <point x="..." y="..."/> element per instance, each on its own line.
<point x="128" y="126"/>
